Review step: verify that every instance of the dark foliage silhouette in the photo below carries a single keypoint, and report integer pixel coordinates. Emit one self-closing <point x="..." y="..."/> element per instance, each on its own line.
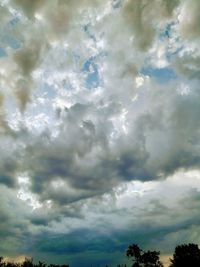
<point x="143" y="258"/>
<point x="186" y="255"/>
<point x="134" y="252"/>
<point x="27" y="263"/>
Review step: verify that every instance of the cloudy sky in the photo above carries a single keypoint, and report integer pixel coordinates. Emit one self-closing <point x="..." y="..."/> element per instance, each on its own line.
<point x="99" y="128"/>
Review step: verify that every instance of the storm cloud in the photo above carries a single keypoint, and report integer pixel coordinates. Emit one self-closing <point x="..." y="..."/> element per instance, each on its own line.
<point x="99" y="120"/>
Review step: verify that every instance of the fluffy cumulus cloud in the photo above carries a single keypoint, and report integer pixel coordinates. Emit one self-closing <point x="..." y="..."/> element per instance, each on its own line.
<point x="99" y="121"/>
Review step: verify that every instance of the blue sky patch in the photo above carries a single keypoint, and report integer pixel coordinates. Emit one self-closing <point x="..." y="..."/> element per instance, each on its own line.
<point x="2" y="52"/>
<point x="90" y="69"/>
<point x="161" y="75"/>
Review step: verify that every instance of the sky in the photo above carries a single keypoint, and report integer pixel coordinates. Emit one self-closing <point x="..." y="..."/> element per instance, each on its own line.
<point x="99" y="128"/>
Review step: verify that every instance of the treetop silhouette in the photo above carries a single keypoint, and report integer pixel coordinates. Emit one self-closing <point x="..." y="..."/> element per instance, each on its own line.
<point x="186" y="255"/>
<point x="143" y="258"/>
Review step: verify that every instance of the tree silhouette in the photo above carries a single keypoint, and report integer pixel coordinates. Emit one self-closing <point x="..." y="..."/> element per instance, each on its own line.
<point x="135" y="252"/>
<point x="2" y="261"/>
<point x="27" y="262"/>
<point x="143" y="258"/>
<point x="186" y="255"/>
<point x="151" y="259"/>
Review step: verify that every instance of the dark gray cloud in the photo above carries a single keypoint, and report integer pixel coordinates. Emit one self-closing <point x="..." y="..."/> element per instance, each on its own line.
<point x="143" y="17"/>
<point x="29" y="7"/>
<point x="190" y="23"/>
<point x="84" y="160"/>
